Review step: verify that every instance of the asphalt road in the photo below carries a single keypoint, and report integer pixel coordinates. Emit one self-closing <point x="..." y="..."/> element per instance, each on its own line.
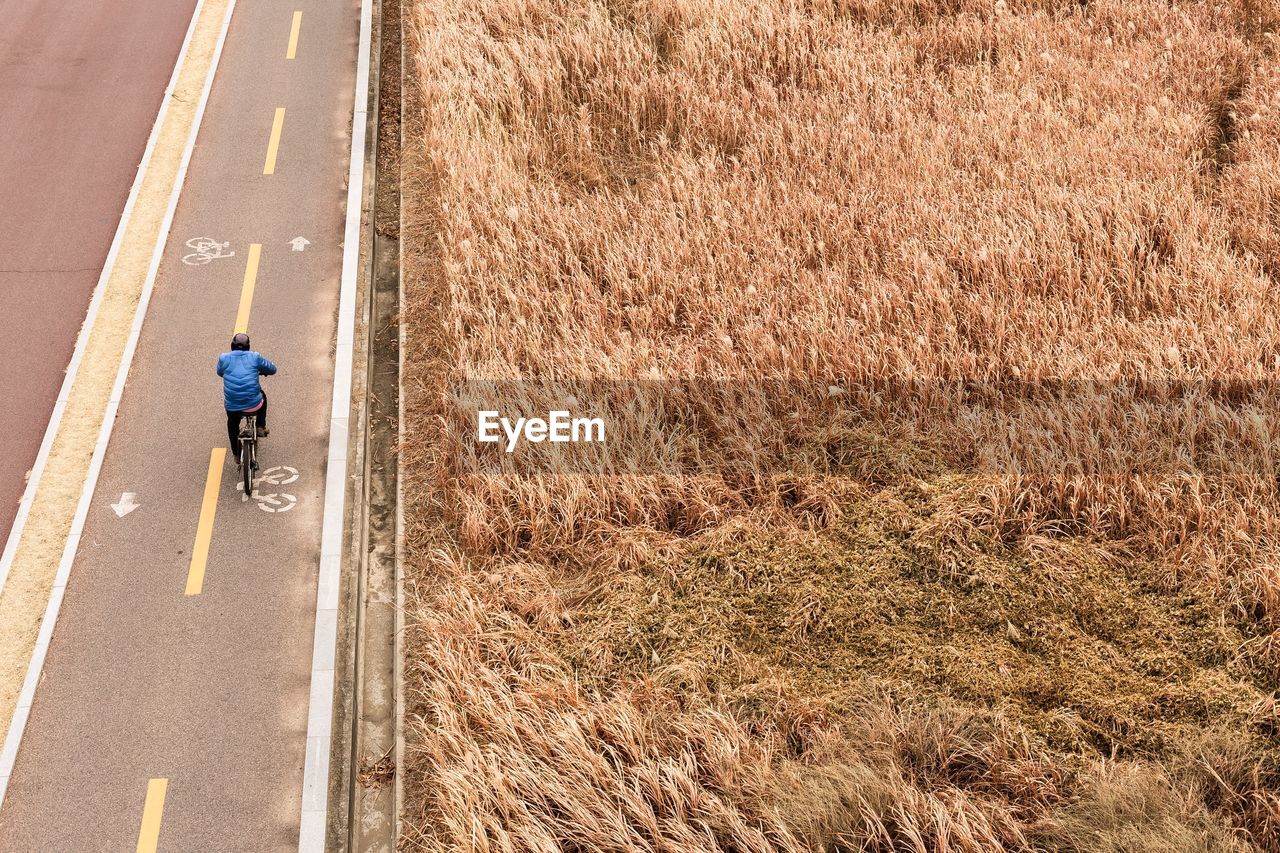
<point x="79" y="91"/>
<point x="209" y="691"/>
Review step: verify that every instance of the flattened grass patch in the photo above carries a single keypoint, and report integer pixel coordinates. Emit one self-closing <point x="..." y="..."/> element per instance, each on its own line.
<point x="1093" y="655"/>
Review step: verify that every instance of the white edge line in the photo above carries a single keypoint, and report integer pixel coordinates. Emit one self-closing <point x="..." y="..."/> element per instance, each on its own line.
<point x="9" y="753"/>
<point x="315" y="774"/>
<point x="95" y="303"/>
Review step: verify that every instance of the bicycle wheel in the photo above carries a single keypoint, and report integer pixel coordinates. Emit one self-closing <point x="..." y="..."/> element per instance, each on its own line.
<point x="246" y="466"/>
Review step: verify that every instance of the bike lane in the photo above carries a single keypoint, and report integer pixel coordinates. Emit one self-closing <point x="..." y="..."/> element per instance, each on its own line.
<point x="148" y="677"/>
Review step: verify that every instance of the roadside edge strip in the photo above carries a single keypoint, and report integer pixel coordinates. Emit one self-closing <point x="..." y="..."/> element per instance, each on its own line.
<point x="320" y="715"/>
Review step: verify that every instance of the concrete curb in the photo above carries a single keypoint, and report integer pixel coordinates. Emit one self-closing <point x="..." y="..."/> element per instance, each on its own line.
<point x="369" y="623"/>
<point x="313" y="825"/>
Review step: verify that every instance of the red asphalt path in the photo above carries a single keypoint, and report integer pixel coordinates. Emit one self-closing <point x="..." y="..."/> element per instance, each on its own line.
<point x="80" y="86"/>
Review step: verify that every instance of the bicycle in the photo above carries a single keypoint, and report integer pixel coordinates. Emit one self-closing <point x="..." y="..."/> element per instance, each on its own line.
<point x="248" y="452"/>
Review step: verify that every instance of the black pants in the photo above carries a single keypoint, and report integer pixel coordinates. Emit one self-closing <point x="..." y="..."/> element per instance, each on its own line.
<point x="233" y="425"/>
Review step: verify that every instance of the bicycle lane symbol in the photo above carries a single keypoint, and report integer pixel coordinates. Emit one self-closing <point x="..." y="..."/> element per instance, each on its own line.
<point x="206" y="250"/>
<point x="278" y="475"/>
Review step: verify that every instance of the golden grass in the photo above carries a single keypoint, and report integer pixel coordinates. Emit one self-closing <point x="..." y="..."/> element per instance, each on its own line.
<point x="997" y="562"/>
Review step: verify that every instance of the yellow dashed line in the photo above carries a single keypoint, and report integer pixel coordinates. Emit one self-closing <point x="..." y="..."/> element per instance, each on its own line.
<point x="293" y="36"/>
<point x="204" y="530"/>
<point x="152" y="811"/>
<point x="246" y="289"/>
<point x="273" y="145"/>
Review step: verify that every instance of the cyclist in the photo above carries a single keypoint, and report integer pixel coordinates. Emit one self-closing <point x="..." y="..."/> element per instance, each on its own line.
<point x="241" y="390"/>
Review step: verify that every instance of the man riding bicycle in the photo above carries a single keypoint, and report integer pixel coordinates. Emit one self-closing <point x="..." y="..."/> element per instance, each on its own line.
<point x="241" y="390"/>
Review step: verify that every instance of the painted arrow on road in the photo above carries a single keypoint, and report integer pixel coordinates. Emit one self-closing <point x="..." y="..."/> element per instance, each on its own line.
<point x="125" y="504"/>
<point x="299" y="243"/>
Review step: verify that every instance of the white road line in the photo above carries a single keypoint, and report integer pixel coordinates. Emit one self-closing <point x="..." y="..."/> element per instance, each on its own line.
<point x="9" y="753"/>
<point x="315" y="775"/>
<point x="95" y="303"/>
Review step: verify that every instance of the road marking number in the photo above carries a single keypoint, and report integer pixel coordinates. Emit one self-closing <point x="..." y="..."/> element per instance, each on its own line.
<point x="206" y="250"/>
<point x="279" y="475"/>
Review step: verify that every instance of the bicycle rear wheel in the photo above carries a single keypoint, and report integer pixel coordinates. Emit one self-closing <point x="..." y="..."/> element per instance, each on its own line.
<point x="246" y="466"/>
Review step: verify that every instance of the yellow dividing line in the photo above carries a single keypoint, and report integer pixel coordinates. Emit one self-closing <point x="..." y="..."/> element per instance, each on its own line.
<point x="204" y="530"/>
<point x="273" y="145"/>
<point x="152" y="811"/>
<point x="246" y="289"/>
<point x="293" y="36"/>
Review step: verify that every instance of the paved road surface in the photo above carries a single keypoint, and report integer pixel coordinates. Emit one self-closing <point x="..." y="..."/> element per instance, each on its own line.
<point x="79" y="92"/>
<point x="210" y="690"/>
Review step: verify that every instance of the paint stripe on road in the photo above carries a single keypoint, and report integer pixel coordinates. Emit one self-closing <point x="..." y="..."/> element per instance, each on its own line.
<point x="152" y="812"/>
<point x="273" y="144"/>
<point x="246" y="289"/>
<point x="292" y="53"/>
<point x="204" y="528"/>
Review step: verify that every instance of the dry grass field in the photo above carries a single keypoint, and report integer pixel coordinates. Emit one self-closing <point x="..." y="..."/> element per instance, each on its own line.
<point x="938" y="341"/>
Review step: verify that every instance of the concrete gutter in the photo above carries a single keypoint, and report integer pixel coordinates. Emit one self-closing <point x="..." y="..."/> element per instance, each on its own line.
<point x="363" y="782"/>
<point x="328" y="775"/>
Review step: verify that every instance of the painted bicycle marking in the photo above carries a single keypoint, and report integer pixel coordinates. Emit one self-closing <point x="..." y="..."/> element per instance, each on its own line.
<point x="277" y="475"/>
<point x="206" y="249"/>
<point x="276" y="502"/>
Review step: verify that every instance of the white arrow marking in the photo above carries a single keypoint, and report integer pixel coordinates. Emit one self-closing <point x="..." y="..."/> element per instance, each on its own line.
<point x="126" y="505"/>
<point x="299" y="243"/>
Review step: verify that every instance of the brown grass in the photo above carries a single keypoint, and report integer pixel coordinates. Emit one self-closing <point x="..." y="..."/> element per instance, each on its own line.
<point x="992" y="563"/>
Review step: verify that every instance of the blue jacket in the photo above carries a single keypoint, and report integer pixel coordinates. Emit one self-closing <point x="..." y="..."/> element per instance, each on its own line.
<point x="239" y="370"/>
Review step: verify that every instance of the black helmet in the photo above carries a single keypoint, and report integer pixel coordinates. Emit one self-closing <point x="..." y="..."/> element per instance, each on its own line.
<point x="239" y="341"/>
